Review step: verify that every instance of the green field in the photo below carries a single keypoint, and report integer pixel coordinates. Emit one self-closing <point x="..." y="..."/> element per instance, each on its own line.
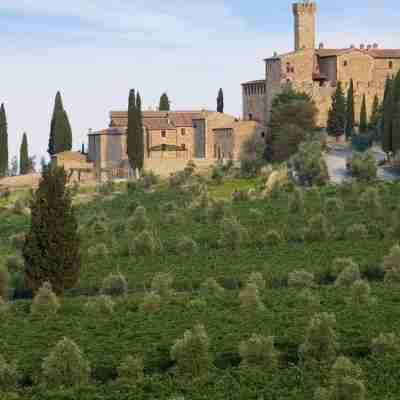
<point x="106" y="340"/>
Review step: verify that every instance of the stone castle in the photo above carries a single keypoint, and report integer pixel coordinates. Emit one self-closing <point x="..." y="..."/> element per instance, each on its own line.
<point x="316" y="71"/>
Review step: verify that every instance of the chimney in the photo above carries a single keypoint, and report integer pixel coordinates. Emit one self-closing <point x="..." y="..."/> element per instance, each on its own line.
<point x="375" y="45"/>
<point x="369" y="47"/>
<point x="352" y="46"/>
<point x="362" y="46"/>
<point x="321" y="45"/>
<point x="275" y="54"/>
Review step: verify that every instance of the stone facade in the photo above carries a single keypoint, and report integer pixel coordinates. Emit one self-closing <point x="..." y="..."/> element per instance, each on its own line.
<point x="317" y="71"/>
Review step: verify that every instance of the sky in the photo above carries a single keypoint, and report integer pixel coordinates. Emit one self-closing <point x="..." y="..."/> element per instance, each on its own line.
<point x="94" y="51"/>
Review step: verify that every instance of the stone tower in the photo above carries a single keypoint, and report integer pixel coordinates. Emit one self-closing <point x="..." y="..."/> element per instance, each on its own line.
<point x="304" y="24"/>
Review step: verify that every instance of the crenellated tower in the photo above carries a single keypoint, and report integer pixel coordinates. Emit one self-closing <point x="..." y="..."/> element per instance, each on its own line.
<point x="304" y="24"/>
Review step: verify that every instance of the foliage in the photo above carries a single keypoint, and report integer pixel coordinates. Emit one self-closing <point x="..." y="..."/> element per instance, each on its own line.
<point x="350" y="114"/>
<point x="145" y="243"/>
<point x="165" y="104"/>
<point x="131" y="370"/>
<point x="51" y="250"/>
<point x="98" y="250"/>
<point x="151" y="303"/>
<point x="258" y="351"/>
<point x="348" y="275"/>
<point x="45" y="302"/>
<point x="363" y="166"/>
<point x="232" y="233"/>
<point x="3" y="142"/>
<point x="251" y="156"/>
<point x="317" y="228"/>
<point x="220" y="101"/>
<point x="192" y="353"/>
<point x="135" y="146"/>
<point x="4" y="308"/>
<point x="100" y="305"/>
<point x="272" y="237"/>
<point x="376" y="114"/>
<point x="8" y="375"/>
<point x="115" y="284"/>
<point x="320" y="340"/>
<point x="161" y="284"/>
<point x="333" y="205"/>
<point x="296" y="201"/>
<point x="391" y="265"/>
<point x="363" y="116"/>
<point x="357" y="230"/>
<point x="309" y="301"/>
<point x="385" y="343"/>
<point x="4" y="283"/>
<point x="217" y="174"/>
<point x="24" y="156"/>
<point x="301" y="279"/>
<point x="139" y="220"/>
<point x="211" y="287"/>
<point x="60" y="129"/>
<point x="250" y="301"/>
<point x="186" y="246"/>
<point x="66" y="365"/>
<point x="337" y="113"/>
<point x="360" y="292"/>
<point x="256" y="278"/>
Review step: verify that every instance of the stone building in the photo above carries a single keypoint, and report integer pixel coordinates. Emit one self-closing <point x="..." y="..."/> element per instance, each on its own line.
<point x="171" y="139"/>
<point x="316" y="71"/>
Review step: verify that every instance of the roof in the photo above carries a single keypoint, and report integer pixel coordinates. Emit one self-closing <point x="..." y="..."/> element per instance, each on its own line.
<point x="157" y="124"/>
<point x="258" y="81"/>
<point x="375" y="53"/>
<point x="70" y="155"/>
<point x="109" y="131"/>
<point x="239" y="124"/>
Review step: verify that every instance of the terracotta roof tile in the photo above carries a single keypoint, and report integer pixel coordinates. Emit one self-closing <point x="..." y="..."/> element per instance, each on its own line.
<point x="258" y="81"/>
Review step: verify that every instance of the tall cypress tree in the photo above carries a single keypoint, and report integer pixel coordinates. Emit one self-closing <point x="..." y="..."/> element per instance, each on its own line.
<point x="165" y="104"/>
<point x="363" y="116"/>
<point x="3" y="142"/>
<point x="220" y="101"/>
<point x="337" y="114"/>
<point x="350" y="117"/>
<point x="51" y="250"/>
<point x="375" y="114"/>
<point x="60" y="129"/>
<point x="387" y="118"/>
<point x="396" y="128"/>
<point x="131" y="130"/>
<point x="139" y="133"/>
<point x="24" y="163"/>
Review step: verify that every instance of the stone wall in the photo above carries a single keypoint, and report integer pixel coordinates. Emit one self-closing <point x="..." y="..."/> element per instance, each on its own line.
<point x="253" y="99"/>
<point x="304" y="25"/>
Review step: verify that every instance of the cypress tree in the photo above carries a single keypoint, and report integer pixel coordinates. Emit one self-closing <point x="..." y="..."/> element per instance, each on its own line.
<point x="24" y="163"/>
<point x="375" y="114"/>
<point x="337" y="113"/>
<point x="396" y="128"/>
<point x="131" y="140"/>
<point x="350" y="117"/>
<point x="139" y="133"/>
<point x="165" y="104"/>
<point x="51" y="249"/>
<point x="363" y="116"/>
<point x="60" y="129"/>
<point x="387" y="118"/>
<point x="3" y="142"/>
<point x="220" y="101"/>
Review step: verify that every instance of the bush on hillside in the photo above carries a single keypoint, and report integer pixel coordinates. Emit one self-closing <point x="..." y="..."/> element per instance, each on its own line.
<point x="251" y="156"/>
<point x="232" y="233"/>
<point x="370" y="201"/>
<point x="258" y="351"/>
<point x="186" y="246"/>
<point x="66" y="365"/>
<point x="240" y="195"/>
<point x="14" y="263"/>
<point x="102" y="305"/>
<point x="192" y="353"/>
<point x="362" y="166"/>
<point x="341" y="263"/>
<point x="138" y="221"/>
<point x="301" y="279"/>
<point x="357" y="231"/>
<point x="151" y="303"/>
<point x="348" y="276"/>
<point x="317" y="228"/>
<point x="360" y="292"/>
<point x="45" y="303"/>
<point x="114" y="284"/>
<point x="98" y="251"/>
<point x="391" y="265"/>
<point x="272" y="237"/>
<point x="296" y="201"/>
<point x="149" y="179"/>
<point x="320" y="339"/>
<point x="249" y="298"/>
<point x="217" y="174"/>
<point x="162" y="284"/>
<point x="256" y="278"/>
<point x="4" y="283"/>
<point x="309" y="301"/>
<point x="210" y="287"/>
<point x="217" y="210"/>
<point x="8" y="375"/>
<point x="131" y="370"/>
<point x="4" y="308"/>
<point x="144" y="244"/>
<point x="18" y="240"/>
<point x="385" y="343"/>
<point x="333" y="205"/>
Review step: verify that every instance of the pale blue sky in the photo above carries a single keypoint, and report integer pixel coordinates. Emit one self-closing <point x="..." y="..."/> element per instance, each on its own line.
<point x="94" y="51"/>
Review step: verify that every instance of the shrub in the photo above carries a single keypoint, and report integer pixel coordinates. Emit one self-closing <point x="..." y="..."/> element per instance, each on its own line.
<point x="4" y="283"/>
<point x="14" y="263"/>
<point x="211" y="287"/>
<point x="363" y="166"/>
<point x="131" y="370"/>
<point x="174" y="218"/>
<point x="66" y="365"/>
<point x="100" y="305"/>
<point x="272" y="237"/>
<point x="45" y="303"/>
<point x="18" y="240"/>
<point x="348" y="276"/>
<point x="186" y="246"/>
<point x="251" y="156"/>
<point x="240" y="195"/>
<point x="309" y="301"/>
<point x="191" y="353"/>
<point x="132" y="205"/>
<point x="99" y="230"/>
<point x="344" y="382"/>
<point x="258" y="351"/>
<point x="358" y="231"/>
<point x="138" y="221"/>
<point x="162" y="284"/>
<point x="320" y="339"/>
<point x="8" y="375"/>
<point x="144" y="244"/>
<point x="317" y="228"/>
<point x="296" y="201"/>
<point x="4" y="308"/>
<point x="257" y="279"/>
<point x="52" y="247"/>
<point x="391" y="265"/>
<point x="151" y="303"/>
<point x="385" y="343"/>
<point x="370" y="201"/>
<point x="106" y="188"/>
<point x="232" y="233"/>
<point x="250" y="301"/>
<point x="98" y="251"/>
<point x="340" y="264"/>
<point x="149" y="179"/>
<point x="217" y="210"/>
<point x="197" y="304"/>
<point x="360" y="292"/>
<point x="217" y="174"/>
<point x="115" y="284"/>
<point x="333" y="205"/>
<point x="19" y="207"/>
<point x="300" y="279"/>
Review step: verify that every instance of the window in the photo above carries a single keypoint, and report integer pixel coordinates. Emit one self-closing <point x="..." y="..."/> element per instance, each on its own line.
<point x="250" y="116"/>
<point x="345" y="63"/>
<point x="183" y="131"/>
<point x="163" y="133"/>
<point x="288" y="68"/>
<point x="292" y="70"/>
<point x="263" y="134"/>
<point x="183" y="146"/>
<point x="194" y="126"/>
<point x="390" y="64"/>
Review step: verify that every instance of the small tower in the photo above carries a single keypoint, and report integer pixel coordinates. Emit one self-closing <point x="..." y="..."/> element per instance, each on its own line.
<point x="304" y="25"/>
